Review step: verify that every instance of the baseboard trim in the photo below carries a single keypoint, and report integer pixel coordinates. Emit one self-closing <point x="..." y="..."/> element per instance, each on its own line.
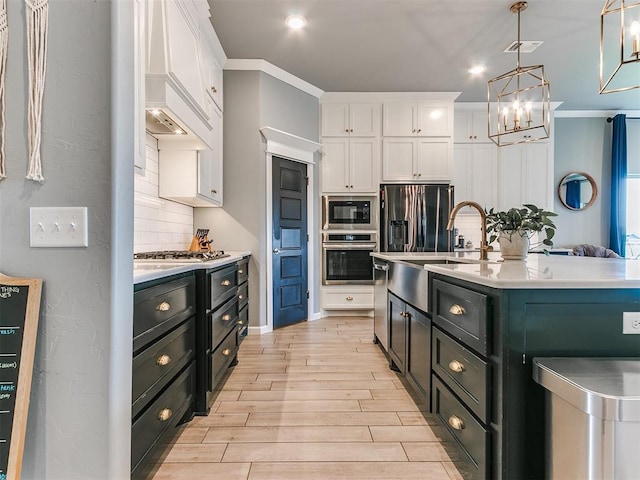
<point x="261" y="330"/>
<point x="314" y="316"/>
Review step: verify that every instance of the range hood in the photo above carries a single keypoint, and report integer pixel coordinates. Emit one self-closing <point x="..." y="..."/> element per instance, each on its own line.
<point x="174" y="94"/>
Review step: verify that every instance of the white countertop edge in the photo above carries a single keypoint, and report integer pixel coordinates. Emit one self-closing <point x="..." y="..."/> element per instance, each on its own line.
<point x="538" y="271"/>
<point x="147" y="271"/>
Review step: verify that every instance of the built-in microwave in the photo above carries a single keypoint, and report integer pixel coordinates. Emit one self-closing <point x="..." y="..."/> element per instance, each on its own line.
<point x="349" y="212"/>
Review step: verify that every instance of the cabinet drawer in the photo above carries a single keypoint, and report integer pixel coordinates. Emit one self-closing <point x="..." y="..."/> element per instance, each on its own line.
<point x="243" y="295"/>
<point x="243" y="270"/>
<point x="467" y="431"/>
<point x="463" y="372"/>
<point x="162" y="414"/>
<point x="222" y="321"/>
<point x="347" y="300"/>
<point x="157" y="364"/>
<point x="222" y="285"/>
<point x="243" y="323"/>
<point x="222" y="357"/>
<point x="462" y="313"/>
<point x="160" y="308"/>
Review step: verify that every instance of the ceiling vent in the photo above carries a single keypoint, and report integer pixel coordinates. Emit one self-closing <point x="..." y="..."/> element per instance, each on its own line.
<point x="526" y="46"/>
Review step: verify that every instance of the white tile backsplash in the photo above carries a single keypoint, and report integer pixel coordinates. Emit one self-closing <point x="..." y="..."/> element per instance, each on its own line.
<point x="159" y="224"/>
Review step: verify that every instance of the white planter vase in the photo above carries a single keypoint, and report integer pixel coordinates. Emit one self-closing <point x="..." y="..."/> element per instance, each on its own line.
<point x="514" y="245"/>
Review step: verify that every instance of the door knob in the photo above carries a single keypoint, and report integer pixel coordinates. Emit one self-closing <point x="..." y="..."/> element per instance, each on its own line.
<point x="276" y="251"/>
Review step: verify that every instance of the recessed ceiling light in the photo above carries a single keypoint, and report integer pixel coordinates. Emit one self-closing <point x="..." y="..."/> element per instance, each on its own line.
<point x="477" y="69"/>
<point x="296" y="21"/>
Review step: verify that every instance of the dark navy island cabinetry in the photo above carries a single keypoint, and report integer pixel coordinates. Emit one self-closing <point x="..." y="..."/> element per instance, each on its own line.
<point x="163" y="380"/>
<point x="484" y="341"/>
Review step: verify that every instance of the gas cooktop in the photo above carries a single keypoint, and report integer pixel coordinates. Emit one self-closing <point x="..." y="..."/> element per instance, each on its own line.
<point x="180" y="256"/>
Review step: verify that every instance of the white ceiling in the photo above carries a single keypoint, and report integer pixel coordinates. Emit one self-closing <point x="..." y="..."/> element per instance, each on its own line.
<point x="423" y="45"/>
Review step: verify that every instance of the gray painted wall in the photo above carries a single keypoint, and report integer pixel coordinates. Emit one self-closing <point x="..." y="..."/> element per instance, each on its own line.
<point x="583" y="144"/>
<point x="253" y="100"/>
<point x="73" y="418"/>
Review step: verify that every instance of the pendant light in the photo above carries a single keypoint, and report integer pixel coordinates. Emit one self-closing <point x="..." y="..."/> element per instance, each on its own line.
<point x="619" y="46"/>
<point x="519" y="101"/>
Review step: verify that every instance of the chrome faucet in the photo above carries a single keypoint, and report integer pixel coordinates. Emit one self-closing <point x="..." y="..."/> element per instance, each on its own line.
<point x="484" y="245"/>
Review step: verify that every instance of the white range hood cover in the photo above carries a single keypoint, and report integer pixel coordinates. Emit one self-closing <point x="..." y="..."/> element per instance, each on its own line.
<point x="173" y="79"/>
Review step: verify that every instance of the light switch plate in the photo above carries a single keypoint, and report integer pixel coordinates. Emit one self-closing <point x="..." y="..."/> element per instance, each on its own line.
<point x="58" y="227"/>
<point x="631" y="323"/>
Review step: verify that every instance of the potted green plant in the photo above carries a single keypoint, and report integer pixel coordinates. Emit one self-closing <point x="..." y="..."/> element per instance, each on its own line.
<point x="513" y="229"/>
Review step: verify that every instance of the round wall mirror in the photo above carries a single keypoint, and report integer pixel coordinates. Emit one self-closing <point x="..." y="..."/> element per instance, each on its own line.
<point x="577" y="190"/>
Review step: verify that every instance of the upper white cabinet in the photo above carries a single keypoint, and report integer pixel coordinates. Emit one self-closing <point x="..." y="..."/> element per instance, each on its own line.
<point x="525" y="175"/>
<point x="475" y="176"/>
<point x="350" y="165"/>
<point x="470" y="126"/>
<point x="211" y="67"/>
<point x="350" y="120"/>
<point x="416" y="160"/>
<point x="417" y="119"/>
<point x="189" y="177"/>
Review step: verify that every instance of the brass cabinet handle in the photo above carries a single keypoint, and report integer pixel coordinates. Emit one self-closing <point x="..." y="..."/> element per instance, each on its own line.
<point x="163" y="307"/>
<point x="456" y="366"/>
<point x="457" y="309"/>
<point x="346" y="186"/>
<point x="240" y="322"/>
<point x="240" y="297"/>
<point x="346" y="130"/>
<point x="226" y="317"/>
<point x="165" y="414"/>
<point x="226" y="352"/>
<point x="456" y="422"/>
<point x="214" y="191"/>
<point x="240" y="271"/>
<point x="163" y="360"/>
<point x="349" y="299"/>
<point x="351" y="130"/>
<point x="419" y="130"/>
<point x="214" y="89"/>
<point x="225" y="283"/>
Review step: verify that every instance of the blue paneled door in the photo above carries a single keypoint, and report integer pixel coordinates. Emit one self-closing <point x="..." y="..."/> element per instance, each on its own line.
<point x="290" y="282"/>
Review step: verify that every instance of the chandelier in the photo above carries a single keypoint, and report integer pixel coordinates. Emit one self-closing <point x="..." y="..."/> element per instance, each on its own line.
<point x="619" y="46"/>
<point x="519" y="101"/>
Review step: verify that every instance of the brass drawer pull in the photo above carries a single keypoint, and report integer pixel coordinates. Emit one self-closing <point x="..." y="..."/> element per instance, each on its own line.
<point x="456" y="366"/>
<point x="349" y="299"/>
<point x="240" y="322"/>
<point x="240" y="297"/>
<point x="165" y="414"/>
<point x="456" y="422"/>
<point x="226" y="317"/>
<point x="240" y="272"/>
<point x="163" y="307"/>
<point x="225" y="283"/>
<point x="457" y="309"/>
<point x="163" y="360"/>
<point x="226" y="352"/>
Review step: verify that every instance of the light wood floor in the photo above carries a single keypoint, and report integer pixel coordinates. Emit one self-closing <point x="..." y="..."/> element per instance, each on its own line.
<point x="313" y="401"/>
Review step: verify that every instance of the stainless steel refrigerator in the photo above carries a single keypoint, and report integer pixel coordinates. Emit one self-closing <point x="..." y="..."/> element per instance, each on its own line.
<point x="413" y="218"/>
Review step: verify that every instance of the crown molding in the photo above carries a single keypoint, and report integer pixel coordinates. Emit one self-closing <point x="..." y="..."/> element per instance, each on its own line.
<point x="276" y="72"/>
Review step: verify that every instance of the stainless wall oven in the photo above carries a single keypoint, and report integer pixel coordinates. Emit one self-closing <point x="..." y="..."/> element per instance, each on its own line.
<point x="349" y="212"/>
<point x="346" y="258"/>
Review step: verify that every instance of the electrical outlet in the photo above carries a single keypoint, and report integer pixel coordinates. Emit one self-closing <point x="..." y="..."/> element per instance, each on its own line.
<point x="58" y="227"/>
<point x="631" y="323"/>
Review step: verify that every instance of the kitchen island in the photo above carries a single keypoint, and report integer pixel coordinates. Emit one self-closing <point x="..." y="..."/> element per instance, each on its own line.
<point x="490" y="319"/>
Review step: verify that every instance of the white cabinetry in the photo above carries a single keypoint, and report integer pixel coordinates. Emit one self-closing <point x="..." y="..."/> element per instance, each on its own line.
<point x="186" y="177"/>
<point x="350" y="165"/>
<point x="350" y="120"/>
<point x="348" y="297"/>
<point x="525" y="175"/>
<point x="475" y="174"/>
<point x="417" y="159"/>
<point x="417" y="119"/>
<point x="470" y="126"/>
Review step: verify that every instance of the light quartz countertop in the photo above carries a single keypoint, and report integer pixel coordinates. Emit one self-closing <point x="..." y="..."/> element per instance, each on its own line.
<point x="145" y="270"/>
<point x="537" y="271"/>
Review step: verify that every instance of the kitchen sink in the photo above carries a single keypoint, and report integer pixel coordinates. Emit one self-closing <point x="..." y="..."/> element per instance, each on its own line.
<point x="439" y="261"/>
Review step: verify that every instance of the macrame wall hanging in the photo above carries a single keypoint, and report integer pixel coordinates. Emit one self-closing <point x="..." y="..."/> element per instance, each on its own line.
<point x="37" y="12"/>
<point x="4" y="40"/>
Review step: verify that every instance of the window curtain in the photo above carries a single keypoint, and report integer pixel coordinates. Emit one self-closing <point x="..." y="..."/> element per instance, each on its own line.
<point x="573" y="194"/>
<point x="618" y="227"/>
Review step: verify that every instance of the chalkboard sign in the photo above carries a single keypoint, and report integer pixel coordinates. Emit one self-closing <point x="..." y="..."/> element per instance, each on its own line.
<point x="19" y="311"/>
